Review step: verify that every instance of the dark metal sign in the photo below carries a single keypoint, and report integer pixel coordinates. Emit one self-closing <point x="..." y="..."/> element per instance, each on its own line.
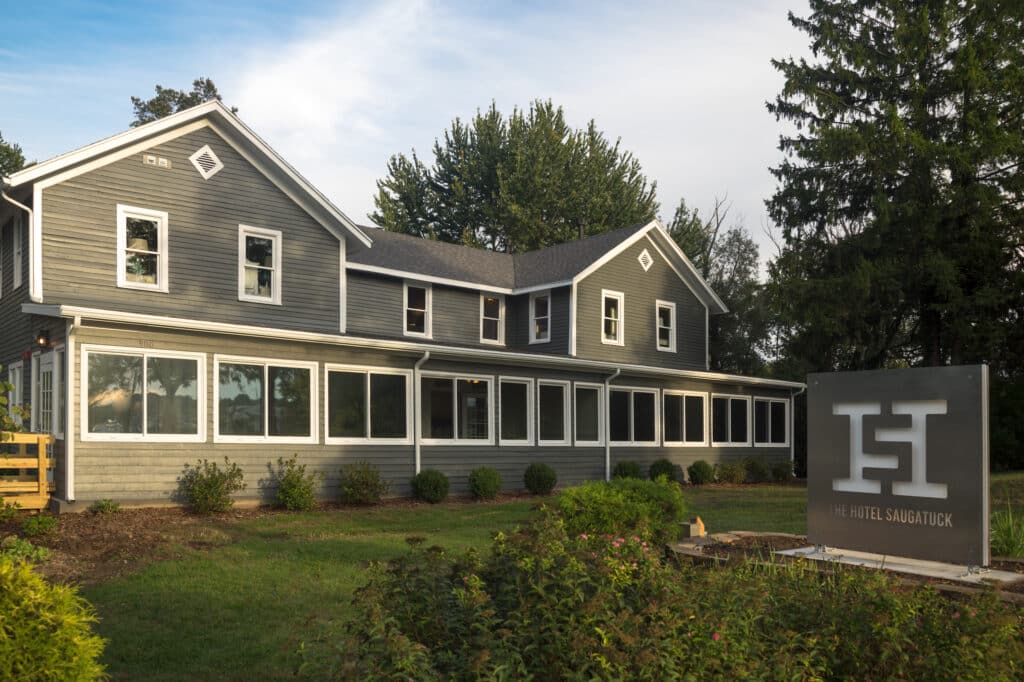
<point x="897" y="462"/>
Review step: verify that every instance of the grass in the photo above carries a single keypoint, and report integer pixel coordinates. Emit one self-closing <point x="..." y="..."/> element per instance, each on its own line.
<point x="759" y="508"/>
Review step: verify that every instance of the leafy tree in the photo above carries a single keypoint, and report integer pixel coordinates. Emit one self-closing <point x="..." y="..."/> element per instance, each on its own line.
<point x="12" y="159"/>
<point x="514" y="184"/>
<point x="169" y="101"/>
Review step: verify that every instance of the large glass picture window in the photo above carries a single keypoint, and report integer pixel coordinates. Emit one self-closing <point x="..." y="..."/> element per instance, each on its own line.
<point x="730" y="420"/>
<point x="552" y="408"/>
<point x="514" y="405"/>
<point x="363" y="403"/>
<point x="684" y="417"/>
<point x="456" y="409"/>
<point x="770" y="422"/>
<point x="265" y="401"/>
<point x="588" y="415"/>
<point x="634" y="416"/>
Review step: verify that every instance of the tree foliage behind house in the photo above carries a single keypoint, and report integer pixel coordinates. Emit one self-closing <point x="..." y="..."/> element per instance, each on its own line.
<point x="12" y="159"/>
<point x="514" y="184"/>
<point x="169" y="101"/>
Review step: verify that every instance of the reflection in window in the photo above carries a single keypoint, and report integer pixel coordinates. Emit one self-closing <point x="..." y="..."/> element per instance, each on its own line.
<point x="115" y="393"/>
<point x="514" y="401"/>
<point x="730" y="420"/>
<point x="142" y="394"/>
<point x="142" y="252"/>
<point x="259" y="266"/>
<point x="288" y="401"/>
<point x="438" y="408"/>
<point x="456" y="409"/>
<point x="769" y="421"/>
<point x="387" y="406"/>
<point x="346" y="400"/>
<point x="171" y="395"/>
<point x="240" y="399"/>
<point x="247" y="408"/>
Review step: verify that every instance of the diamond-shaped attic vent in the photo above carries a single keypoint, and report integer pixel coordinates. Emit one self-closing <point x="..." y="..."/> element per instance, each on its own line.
<point x="645" y="260"/>
<point x="206" y="162"/>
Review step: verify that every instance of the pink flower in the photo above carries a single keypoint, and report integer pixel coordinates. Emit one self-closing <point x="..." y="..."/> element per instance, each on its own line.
<point x="715" y="636"/>
<point x="583" y="536"/>
<point x="956" y="615"/>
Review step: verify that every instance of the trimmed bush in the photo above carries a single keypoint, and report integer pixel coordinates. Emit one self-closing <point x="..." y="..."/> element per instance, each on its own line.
<point x="18" y="549"/>
<point x="730" y="472"/>
<point x="756" y="470"/>
<point x="295" y="489"/>
<point x="661" y="467"/>
<point x="627" y="470"/>
<point x="782" y="472"/>
<point x="105" y="506"/>
<point x="624" y="507"/>
<point x="47" y="629"/>
<point x="430" y="486"/>
<point x="700" y="472"/>
<point x="361" y="483"/>
<point x="484" y="483"/>
<point x="207" y="488"/>
<point x="540" y="479"/>
<point x="34" y="526"/>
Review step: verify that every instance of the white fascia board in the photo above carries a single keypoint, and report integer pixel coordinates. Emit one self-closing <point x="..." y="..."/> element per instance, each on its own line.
<point x="436" y="350"/>
<point x="447" y="281"/>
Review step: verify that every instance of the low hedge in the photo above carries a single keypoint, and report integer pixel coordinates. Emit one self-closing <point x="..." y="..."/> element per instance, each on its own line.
<point x="484" y="483"/>
<point x="540" y="479"/>
<point x="624" y="507"/>
<point x="430" y="485"/>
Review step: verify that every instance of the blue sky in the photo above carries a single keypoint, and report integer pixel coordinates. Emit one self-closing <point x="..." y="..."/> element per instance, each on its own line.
<point x="338" y="87"/>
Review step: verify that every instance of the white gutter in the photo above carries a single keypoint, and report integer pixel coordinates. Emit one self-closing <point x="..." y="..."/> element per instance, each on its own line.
<point x="33" y="292"/>
<point x="608" y="424"/>
<point x="417" y="417"/>
<point x="69" y="416"/>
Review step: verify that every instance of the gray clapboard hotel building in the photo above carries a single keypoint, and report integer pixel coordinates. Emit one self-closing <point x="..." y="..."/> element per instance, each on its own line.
<point x="179" y="291"/>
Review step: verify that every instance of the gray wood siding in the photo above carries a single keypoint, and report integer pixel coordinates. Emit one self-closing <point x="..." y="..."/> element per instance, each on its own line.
<point x="80" y="241"/>
<point x="641" y="290"/>
<point x="16" y="333"/>
<point x="518" y="323"/>
<point x="374" y="305"/>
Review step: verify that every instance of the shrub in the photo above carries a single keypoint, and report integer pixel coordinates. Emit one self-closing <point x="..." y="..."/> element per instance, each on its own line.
<point x="484" y="483"/>
<point x="1007" y="534"/>
<point x="730" y="472"/>
<point x="207" y="488"/>
<point x="430" y="486"/>
<point x="8" y="510"/>
<point x="540" y="479"/>
<point x="294" y="488"/>
<point x="661" y="467"/>
<point x="105" y="506"/>
<point x="47" y="629"/>
<point x="624" y="507"/>
<point x="700" y="472"/>
<point x="361" y="483"/>
<point x="18" y="549"/>
<point x="34" y="526"/>
<point x="756" y="469"/>
<point x="627" y="470"/>
<point x="782" y="472"/>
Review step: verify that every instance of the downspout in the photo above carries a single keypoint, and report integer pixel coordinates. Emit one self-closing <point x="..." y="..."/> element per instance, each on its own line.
<point x="32" y="293"/>
<point x="69" y="414"/>
<point x="792" y="426"/>
<point x="608" y="424"/>
<point x="417" y="417"/>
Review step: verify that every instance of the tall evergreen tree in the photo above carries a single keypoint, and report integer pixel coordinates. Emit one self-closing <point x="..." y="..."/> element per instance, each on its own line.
<point x="12" y="159"/>
<point x="169" y="101"/>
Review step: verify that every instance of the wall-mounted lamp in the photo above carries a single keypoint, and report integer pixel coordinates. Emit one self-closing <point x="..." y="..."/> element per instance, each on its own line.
<point x="43" y="338"/>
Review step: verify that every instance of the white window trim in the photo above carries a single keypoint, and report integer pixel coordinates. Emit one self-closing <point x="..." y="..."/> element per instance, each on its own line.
<point x="60" y="368"/>
<point x="16" y="397"/>
<point x="145" y="353"/>
<point x="750" y="425"/>
<point x="528" y="382"/>
<point x="366" y="371"/>
<point x="312" y="439"/>
<point x="277" y="282"/>
<point x="428" y="314"/>
<point x="753" y="416"/>
<point x="123" y="213"/>
<point x="600" y="414"/>
<point x="685" y="443"/>
<point x="455" y="440"/>
<point x="658" y="305"/>
<point x="546" y="293"/>
<point x="17" y="250"/>
<point x="656" y="443"/>
<point x="500" y="341"/>
<point x="33" y="392"/>
<point x="620" y="329"/>
<point x="566" y="409"/>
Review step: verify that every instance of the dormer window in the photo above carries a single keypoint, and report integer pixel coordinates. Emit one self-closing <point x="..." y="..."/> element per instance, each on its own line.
<point x="492" y="314"/>
<point x="417" y="310"/>
<point x="141" y="248"/>
<point x="540" y="317"/>
<point x="259" y="265"/>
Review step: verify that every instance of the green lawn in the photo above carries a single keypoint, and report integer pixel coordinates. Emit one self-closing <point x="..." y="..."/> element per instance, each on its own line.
<point x="768" y="508"/>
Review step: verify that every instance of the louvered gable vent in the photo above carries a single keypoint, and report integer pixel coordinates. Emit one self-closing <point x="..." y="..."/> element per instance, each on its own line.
<point x="645" y="260"/>
<point x="206" y="162"/>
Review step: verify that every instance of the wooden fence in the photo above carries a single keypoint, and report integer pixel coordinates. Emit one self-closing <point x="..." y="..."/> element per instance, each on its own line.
<point x="23" y="474"/>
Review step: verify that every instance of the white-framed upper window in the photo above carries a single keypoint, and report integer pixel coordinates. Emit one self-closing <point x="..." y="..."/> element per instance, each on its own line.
<point x="259" y="265"/>
<point x="730" y="420"/>
<point x="417" y="304"/>
<point x="492" y="319"/>
<point x="16" y="396"/>
<point x="771" y="422"/>
<point x="367" y="405"/>
<point x="588" y="414"/>
<point x="540" y="316"/>
<point x="515" y="411"/>
<point x="259" y="400"/>
<point x="143" y="395"/>
<point x="633" y="416"/>
<point x="553" y="413"/>
<point x="612" y="304"/>
<point x="684" y="418"/>
<point x="665" y="323"/>
<point x="141" y="248"/>
<point x="16" y="250"/>
<point x="456" y="409"/>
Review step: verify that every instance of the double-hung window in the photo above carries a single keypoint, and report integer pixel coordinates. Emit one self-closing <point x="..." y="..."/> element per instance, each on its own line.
<point x="633" y="416"/>
<point x="368" y="404"/>
<point x="588" y="415"/>
<point x="553" y="412"/>
<point x="612" y="303"/>
<point x="417" y="306"/>
<point x="259" y="265"/>
<point x="132" y="394"/>
<point x="141" y="248"/>
<point x="492" y="319"/>
<point x="16" y="250"/>
<point x="771" y="422"/>
<point x="456" y="409"/>
<point x="540" y="317"/>
<point x="730" y="420"/>
<point x="665" y="322"/>
<point x="261" y="400"/>
<point x="515" y="410"/>
<point x="684" y="418"/>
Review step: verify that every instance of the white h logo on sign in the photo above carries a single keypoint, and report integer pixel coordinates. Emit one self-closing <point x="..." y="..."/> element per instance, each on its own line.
<point x="918" y="486"/>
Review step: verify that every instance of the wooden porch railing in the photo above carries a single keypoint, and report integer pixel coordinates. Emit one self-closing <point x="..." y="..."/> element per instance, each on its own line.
<point x="23" y="476"/>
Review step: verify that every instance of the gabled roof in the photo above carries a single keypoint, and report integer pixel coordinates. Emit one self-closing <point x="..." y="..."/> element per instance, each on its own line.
<point x="229" y="126"/>
<point x="566" y="260"/>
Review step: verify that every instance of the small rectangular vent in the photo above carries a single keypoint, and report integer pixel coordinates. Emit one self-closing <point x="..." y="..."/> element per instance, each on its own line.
<point x="206" y="162"/>
<point x="645" y="260"/>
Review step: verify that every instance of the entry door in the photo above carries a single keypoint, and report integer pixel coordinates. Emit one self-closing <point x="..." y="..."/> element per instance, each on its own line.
<point x="47" y="399"/>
